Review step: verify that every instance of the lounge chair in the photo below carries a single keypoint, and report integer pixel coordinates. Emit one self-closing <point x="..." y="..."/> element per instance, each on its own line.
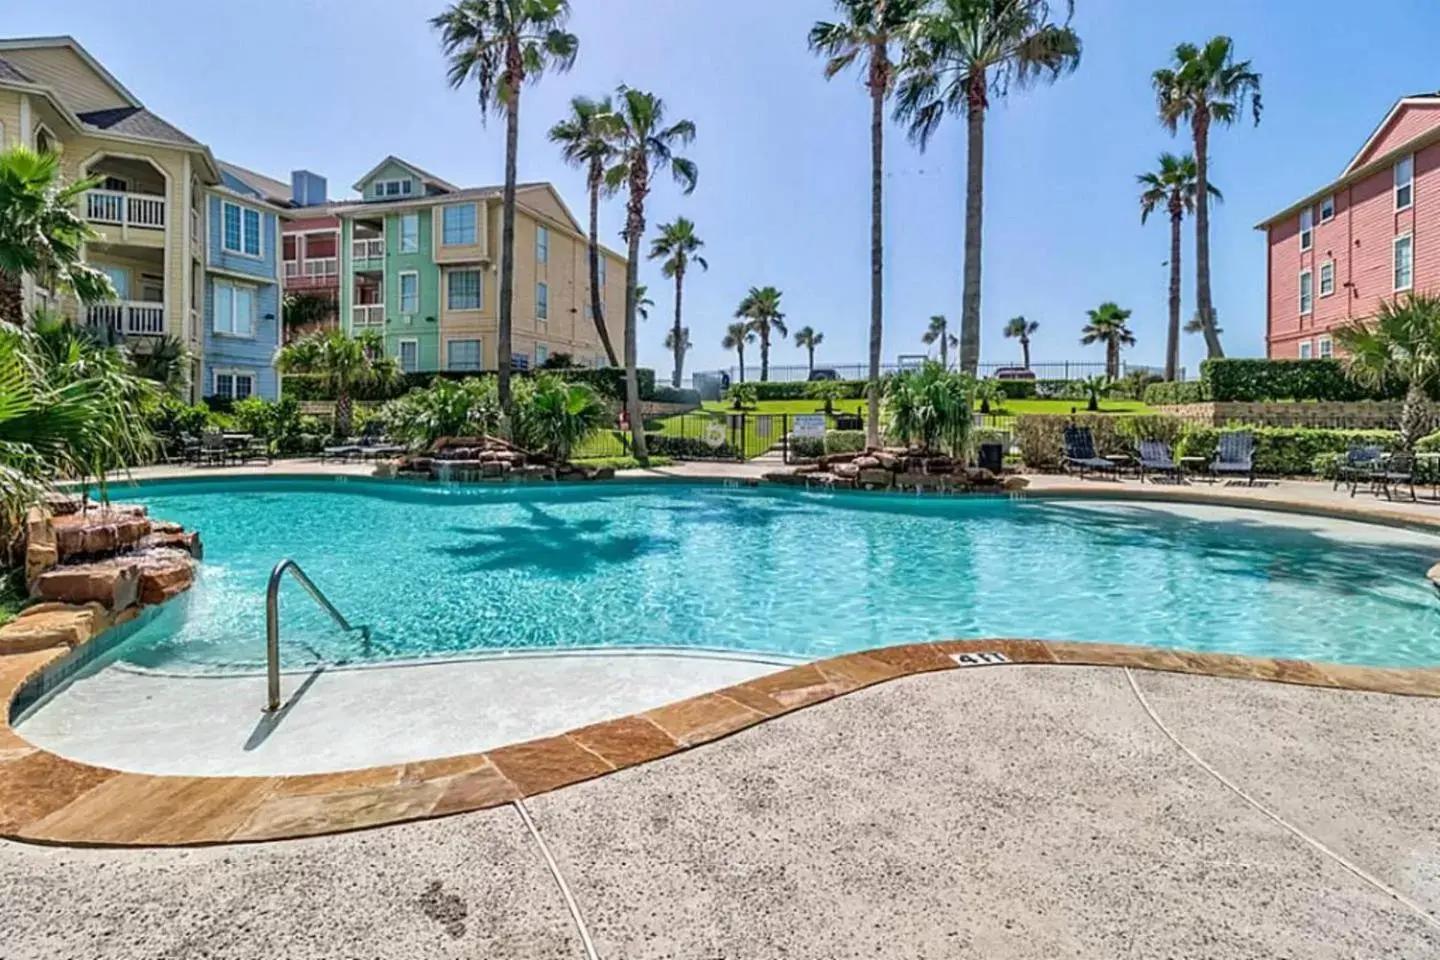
<point x="1155" y="457"/>
<point x="1235" y="457"/>
<point x="1080" y="452"/>
<point x="1397" y="470"/>
<point x="1358" y="467"/>
<point x="341" y="451"/>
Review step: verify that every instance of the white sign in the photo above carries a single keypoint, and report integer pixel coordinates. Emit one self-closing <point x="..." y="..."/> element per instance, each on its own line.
<point x="986" y="659"/>
<point x="808" y="425"/>
<point x="715" y="435"/>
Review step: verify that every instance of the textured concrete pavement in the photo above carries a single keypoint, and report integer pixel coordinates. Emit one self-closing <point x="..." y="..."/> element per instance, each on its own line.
<point x="1018" y="812"/>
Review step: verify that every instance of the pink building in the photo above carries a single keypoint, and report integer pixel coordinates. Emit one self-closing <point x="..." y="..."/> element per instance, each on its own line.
<point x="1371" y="234"/>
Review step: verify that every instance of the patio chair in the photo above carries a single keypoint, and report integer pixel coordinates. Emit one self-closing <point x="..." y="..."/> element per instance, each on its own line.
<point x="1235" y="457"/>
<point x="341" y="451"/>
<point x="1358" y="467"/>
<point x="1397" y="470"/>
<point x="1080" y="452"/>
<point x="258" y="448"/>
<point x="1155" y="457"/>
<point x="212" y="449"/>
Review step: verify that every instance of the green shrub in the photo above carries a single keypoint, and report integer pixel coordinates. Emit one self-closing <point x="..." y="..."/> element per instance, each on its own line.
<point x="1285" y="451"/>
<point x="804" y="390"/>
<point x="1430" y="444"/>
<point x="1175" y="392"/>
<point x="1060" y="389"/>
<point x="1041" y="436"/>
<point x="806" y="448"/>
<point x="844" y="441"/>
<point x="1160" y="426"/>
<point x="687" y="448"/>
<point x="609" y="382"/>
<point x="1229" y="379"/>
<point x="931" y="408"/>
<point x="744" y="395"/>
<point x="664" y="393"/>
<point x="1017" y="389"/>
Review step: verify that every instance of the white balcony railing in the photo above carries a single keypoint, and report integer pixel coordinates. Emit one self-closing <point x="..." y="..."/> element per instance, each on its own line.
<point x="368" y="315"/>
<point x="292" y="268"/>
<point x="132" y="317"/>
<point x="126" y="209"/>
<point x="368" y="249"/>
<point x="322" y="267"/>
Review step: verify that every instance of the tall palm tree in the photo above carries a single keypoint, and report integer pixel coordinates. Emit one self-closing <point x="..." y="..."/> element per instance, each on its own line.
<point x="679" y="247"/>
<point x="939" y="332"/>
<point x="681" y="344"/>
<point x="736" y="336"/>
<point x="1018" y="328"/>
<point x="1172" y="187"/>
<point x="500" y="44"/>
<point x="1107" y="326"/>
<point x="1400" y="343"/>
<point x="965" y="52"/>
<point x="342" y="364"/>
<point x="41" y="234"/>
<point x="866" y="33"/>
<point x="761" y="308"/>
<point x="584" y="140"/>
<point x="1204" y="85"/>
<point x="645" y="146"/>
<point x="808" y="339"/>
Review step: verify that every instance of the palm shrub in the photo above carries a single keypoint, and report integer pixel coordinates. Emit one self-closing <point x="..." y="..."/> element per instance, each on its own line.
<point x="1093" y="388"/>
<point x="342" y="364"/>
<point x="930" y="408"/>
<point x="1401" y="344"/>
<point x="830" y="391"/>
<point x="989" y="391"/>
<point x="447" y="408"/>
<point x="559" y="416"/>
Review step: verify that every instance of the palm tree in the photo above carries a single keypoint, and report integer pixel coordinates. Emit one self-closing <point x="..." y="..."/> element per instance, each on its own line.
<point x="342" y="364"/>
<point x="41" y="234"/>
<point x="761" y="307"/>
<point x="583" y="137"/>
<point x="736" y="336"/>
<point x="500" y="44"/>
<point x="1400" y="343"/>
<point x="939" y="332"/>
<point x="1018" y="328"/>
<point x="1201" y="87"/>
<point x="679" y="246"/>
<point x="1173" y="187"/>
<point x="964" y="53"/>
<point x="643" y="303"/>
<point x="1107" y="326"/>
<point x="645" y="146"/>
<point x="865" y="34"/>
<point x="807" y="338"/>
<point x="301" y="313"/>
<point x="680" y="345"/>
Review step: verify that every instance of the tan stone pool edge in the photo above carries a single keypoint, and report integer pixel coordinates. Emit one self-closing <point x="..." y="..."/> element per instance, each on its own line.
<point x="46" y="798"/>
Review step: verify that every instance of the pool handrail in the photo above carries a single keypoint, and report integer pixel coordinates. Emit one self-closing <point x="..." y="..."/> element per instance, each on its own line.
<point x="272" y="624"/>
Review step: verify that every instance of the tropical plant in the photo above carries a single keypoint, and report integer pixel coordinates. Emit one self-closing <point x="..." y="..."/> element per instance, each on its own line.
<point x="1400" y="344"/>
<point x="761" y="309"/>
<point x="829" y="391"/>
<point x="559" y="416"/>
<point x="939" y="332"/>
<point x="931" y="408"/>
<point x="161" y="359"/>
<point x="1093" y="388"/>
<point x="1172" y="187"/>
<point x="342" y="364"/>
<point x="678" y="246"/>
<point x="499" y="45"/>
<point x="584" y="140"/>
<point x="866" y="33"/>
<point x="963" y="53"/>
<point x="645" y="146"/>
<point x="301" y="313"/>
<point x="744" y="395"/>
<point x="807" y="339"/>
<point x="1107" y="326"/>
<point x="1204" y="85"/>
<point x="446" y="408"/>
<point x="1018" y="328"/>
<point x="41" y="234"/>
<point x="680" y="345"/>
<point x="989" y="391"/>
<point x="736" y="336"/>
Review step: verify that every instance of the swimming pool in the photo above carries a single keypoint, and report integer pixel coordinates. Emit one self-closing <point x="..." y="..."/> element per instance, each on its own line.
<point x="449" y="570"/>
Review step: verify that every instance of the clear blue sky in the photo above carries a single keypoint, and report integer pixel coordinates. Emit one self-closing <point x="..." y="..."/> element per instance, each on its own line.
<point x="334" y="85"/>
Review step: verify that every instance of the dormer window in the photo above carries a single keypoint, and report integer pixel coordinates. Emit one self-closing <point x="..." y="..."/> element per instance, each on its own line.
<point x="394" y="188"/>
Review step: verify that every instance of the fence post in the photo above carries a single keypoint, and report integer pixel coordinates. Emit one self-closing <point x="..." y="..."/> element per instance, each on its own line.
<point x="785" y="439"/>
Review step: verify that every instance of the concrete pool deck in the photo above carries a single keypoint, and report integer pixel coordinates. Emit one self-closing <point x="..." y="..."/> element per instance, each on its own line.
<point x="1018" y="813"/>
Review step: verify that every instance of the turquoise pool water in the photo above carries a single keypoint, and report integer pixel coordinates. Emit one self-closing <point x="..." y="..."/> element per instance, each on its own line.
<point x="441" y="571"/>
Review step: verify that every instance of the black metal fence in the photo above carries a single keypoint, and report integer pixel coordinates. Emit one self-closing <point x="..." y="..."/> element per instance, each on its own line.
<point x="1066" y="370"/>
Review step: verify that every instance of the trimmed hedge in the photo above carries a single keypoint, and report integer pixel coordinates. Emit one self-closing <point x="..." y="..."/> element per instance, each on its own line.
<point x="1242" y="380"/>
<point x="1017" y="389"/>
<point x="664" y="393"/>
<point x="1041" y="436"/>
<point x="609" y="382"/>
<point x="844" y="441"/>
<point x="687" y="448"/>
<point x="802" y="389"/>
<point x="1285" y="451"/>
<point x="1175" y="392"/>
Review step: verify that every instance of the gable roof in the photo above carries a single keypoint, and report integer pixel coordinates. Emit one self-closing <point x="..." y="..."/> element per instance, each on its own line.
<point x="423" y="176"/>
<point x="136" y="122"/>
<point x="549" y="188"/>
<point x="70" y="43"/>
<point x="8" y="71"/>
<point x="1419" y="99"/>
<point x="275" y="191"/>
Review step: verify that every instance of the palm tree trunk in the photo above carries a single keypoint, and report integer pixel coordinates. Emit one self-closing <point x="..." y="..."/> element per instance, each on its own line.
<point x="343" y="419"/>
<point x="634" y="230"/>
<point x="1112" y="358"/>
<point x="679" y="342"/>
<point x="974" y="224"/>
<point x="1204" y="305"/>
<point x="878" y="89"/>
<point x="740" y="353"/>
<point x="12" y="302"/>
<point x="597" y="306"/>
<point x="765" y="353"/>
<point x="810" y="360"/>
<point x="1025" y="351"/>
<point x="944" y="350"/>
<point x="507" y="243"/>
<point x="1414" y="416"/>
<point x="1172" y="344"/>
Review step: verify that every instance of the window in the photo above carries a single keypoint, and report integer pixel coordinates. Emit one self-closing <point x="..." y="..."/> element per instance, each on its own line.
<point x="234" y="384"/>
<point x="409" y="355"/>
<point x="234" y="309"/>
<point x="462" y="355"/>
<point x="1327" y="348"/>
<point x="462" y="290"/>
<point x="393" y="188"/>
<point x="1404" y="183"/>
<point x="1404" y="262"/>
<point x="1327" y="209"/>
<point x="410" y="233"/>
<point x="287" y="246"/>
<point x="542" y="353"/>
<point x="118" y="184"/>
<point x="1327" y="278"/>
<point x="1307" y="293"/>
<point x="410" y="292"/>
<point x="240" y="230"/>
<point x="542" y="301"/>
<point x="458" y="226"/>
<point x="1307" y="228"/>
<point x="519" y="361"/>
<point x="542" y="245"/>
<point x="1305" y="352"/>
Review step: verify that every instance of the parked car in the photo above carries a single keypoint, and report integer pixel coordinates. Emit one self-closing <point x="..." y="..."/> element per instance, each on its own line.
<point x="1014" y="373"/>
<point x="823" y="373"/>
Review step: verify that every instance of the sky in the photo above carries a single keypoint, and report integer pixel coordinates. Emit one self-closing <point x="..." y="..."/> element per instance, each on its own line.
<point x="783" y="197"/>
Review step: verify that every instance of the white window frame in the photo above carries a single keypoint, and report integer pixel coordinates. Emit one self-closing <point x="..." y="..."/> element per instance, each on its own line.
<point x="1306" y="311"/>
<point x="234" y="373"/>
<point x="215" y="309"/>
<point x="1306" y="351"/>
<point x="1395" y="261"/>
<point x="1327" y="202"/>
<point x="400" y="292"/>
<point x="479" y="292"/>
<point x="474" y="225"/>
<point x="1307" y="229"/>
<point x="400" y="353"/>
<point x="259" y="231"/>
<point x="479" y="352"/>
<point x="400" y="230"/>
<point x="1327" y="267"/>
<point x="539" y="360"/>
<point x="1408" y="185"/>
<point x="404" y="187"/>
<point x="1325" y="348"/>
<point x="542" y="301"/>
<point x="542" y="244"/>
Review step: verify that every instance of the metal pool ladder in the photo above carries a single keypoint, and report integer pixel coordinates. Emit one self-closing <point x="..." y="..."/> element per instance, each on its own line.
<point x="272" y="624"/>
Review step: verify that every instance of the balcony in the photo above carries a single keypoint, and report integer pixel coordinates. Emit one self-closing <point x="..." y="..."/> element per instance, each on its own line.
<point x="368" y="254"/>
<point x="314" y="274"/>
<point x="133" y="318"/>
<point x="367" y="315"/>
<point x="125" y="209"/>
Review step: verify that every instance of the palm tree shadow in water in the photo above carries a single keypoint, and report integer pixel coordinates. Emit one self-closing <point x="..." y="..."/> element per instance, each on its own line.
<point x="551" y="546"/>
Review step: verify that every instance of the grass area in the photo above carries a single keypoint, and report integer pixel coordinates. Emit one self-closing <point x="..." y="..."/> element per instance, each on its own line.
<point x="620" y="463"/>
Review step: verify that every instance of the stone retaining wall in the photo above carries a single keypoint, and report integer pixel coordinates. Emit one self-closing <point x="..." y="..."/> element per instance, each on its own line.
<point x="1363" y="415"/>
